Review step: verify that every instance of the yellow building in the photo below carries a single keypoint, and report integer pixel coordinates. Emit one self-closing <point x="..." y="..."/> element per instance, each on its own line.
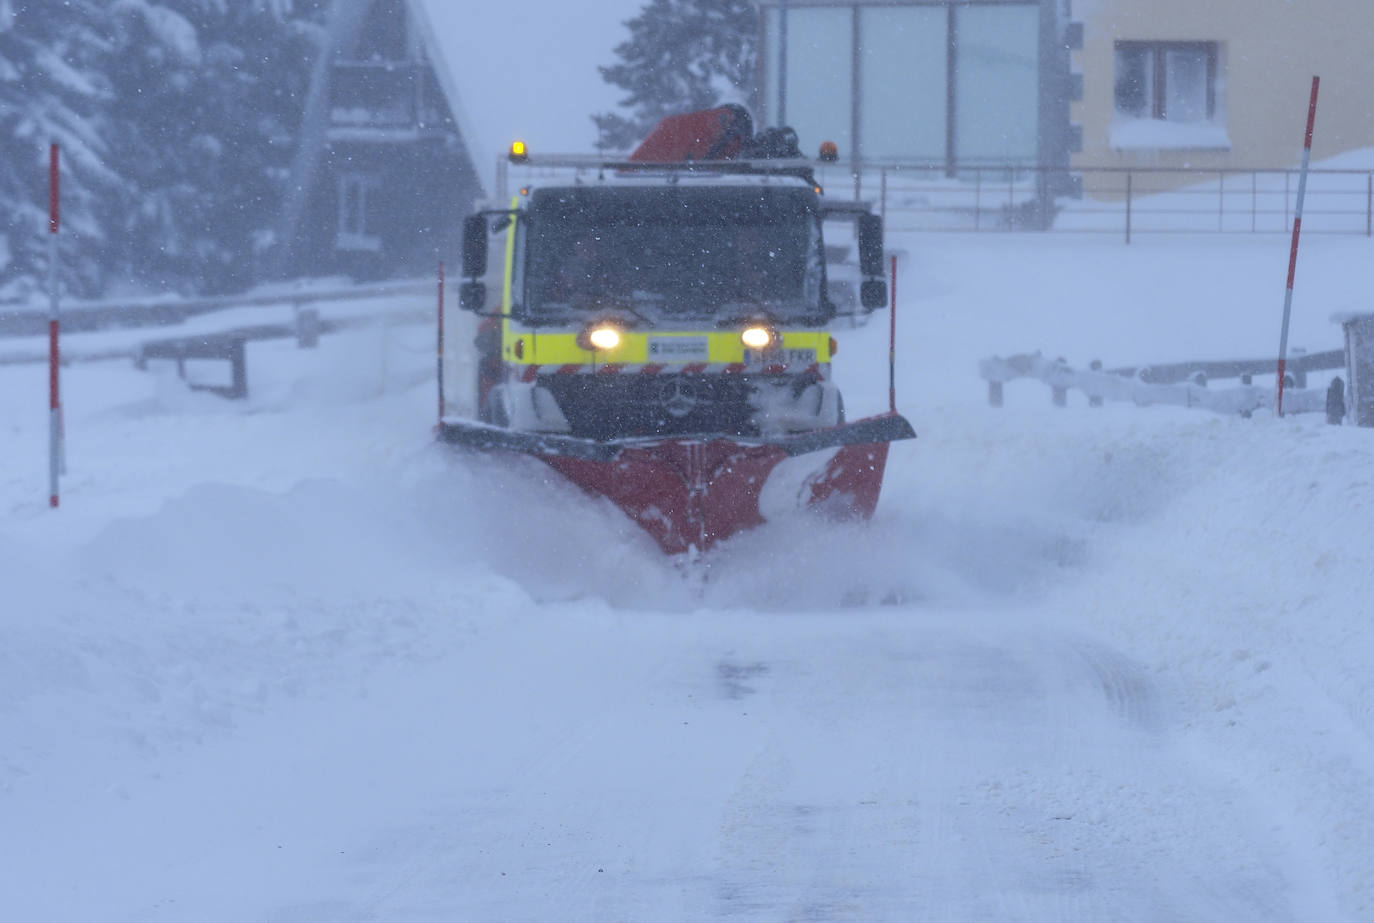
<point x="1223" y="84"/>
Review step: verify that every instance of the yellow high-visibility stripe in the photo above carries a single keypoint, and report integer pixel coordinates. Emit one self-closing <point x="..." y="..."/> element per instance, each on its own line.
<point x="722" y="347"/>
<point x="507" y="283"/>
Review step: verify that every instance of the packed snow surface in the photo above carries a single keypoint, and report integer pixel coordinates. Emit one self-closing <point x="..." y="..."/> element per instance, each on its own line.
<point x="288" y="660"/>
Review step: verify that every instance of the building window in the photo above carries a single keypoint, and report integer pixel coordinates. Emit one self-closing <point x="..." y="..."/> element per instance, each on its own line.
<point x="356" y="226"/>
<point x="385" y="35"/>
<point x="1167" y="81"/>
<point x="1169" y="97"/>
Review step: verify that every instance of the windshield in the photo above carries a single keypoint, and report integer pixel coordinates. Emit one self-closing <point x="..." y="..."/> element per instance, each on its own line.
<point x="720" y="252"/>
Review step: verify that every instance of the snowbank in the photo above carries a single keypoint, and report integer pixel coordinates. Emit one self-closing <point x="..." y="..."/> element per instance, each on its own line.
<point x="290" y="660"/>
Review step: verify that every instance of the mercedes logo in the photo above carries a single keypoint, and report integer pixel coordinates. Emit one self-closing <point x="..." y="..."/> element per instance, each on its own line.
<point x="678" y="397"/>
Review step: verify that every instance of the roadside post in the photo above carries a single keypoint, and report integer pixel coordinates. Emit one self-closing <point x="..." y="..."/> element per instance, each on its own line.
<point x="892" y="343"/>
<point x="56" y="450"/>
<point x="439" y="315"/>
<point x="1297" y="229"/>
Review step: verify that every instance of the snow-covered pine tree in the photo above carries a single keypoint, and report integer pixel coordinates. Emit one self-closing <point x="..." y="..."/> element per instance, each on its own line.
<point x="682" y="55"/>
<point x="207" y="102"/>
<point x="50" y="89"/>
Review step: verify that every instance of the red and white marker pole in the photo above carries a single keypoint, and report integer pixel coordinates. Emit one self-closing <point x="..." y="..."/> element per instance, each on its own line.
<point x="1297" y="229"/>
<point x="54" y="328"/>
<point x="892" y="343"/>
<point x="440" y="342"/>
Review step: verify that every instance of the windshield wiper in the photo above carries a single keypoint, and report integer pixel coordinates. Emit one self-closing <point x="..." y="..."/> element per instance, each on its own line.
<point x="744" y="310"/>
<point x="612" y="305"/>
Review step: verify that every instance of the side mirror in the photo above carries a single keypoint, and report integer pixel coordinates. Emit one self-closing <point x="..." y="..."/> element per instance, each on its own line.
<point x="871" y="245"/>
<point x="475" y="246"/>
<point x="472" y="296"/>
<point x="873" y="295"/>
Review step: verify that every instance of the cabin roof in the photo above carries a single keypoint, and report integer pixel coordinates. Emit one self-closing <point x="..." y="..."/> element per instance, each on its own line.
<point x="524" y="70"/>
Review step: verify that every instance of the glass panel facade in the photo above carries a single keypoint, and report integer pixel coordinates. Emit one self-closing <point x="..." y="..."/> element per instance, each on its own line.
<point x="997" y="83"/>
<point x="902" y="55"/>
<point x="820" y="78"/>
<point x="768" y="113"/>
<point x="903" y="59"/>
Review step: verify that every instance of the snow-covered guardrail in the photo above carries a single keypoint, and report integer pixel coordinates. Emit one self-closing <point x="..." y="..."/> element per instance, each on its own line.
<point x="160" y="312"/>
<point x="231" y="345"/>
<point x="305" y="327"/>
<point x="120" y="330"/>
<point x="1184" y="384"/>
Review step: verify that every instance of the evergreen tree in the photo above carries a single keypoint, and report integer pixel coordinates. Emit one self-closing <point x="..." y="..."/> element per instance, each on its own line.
<point x="207" y="103"/>
<point x="50" y="88"/>
<point x="682" y="55"/>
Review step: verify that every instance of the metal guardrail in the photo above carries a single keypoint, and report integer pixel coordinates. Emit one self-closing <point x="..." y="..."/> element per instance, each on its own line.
<point x="160" y="318"/>
<point x="1298" y="365"/>
<point x="231" y="345"/>
<point x="83" y="318"/>
<point x="1185" y="384"/>
<point x="1110" y="200"/>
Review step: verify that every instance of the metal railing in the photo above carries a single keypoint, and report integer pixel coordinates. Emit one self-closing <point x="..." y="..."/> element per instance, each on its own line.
<point x="1106" y="200"/>
<point x="1184" y="384"/>
<point x="154" y="312"/>
<point x="135" y="323"/>
<point x="1110" y="200"/>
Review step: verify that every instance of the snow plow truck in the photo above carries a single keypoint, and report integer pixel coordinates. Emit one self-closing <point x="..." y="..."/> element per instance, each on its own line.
<point x="655" y="329"/>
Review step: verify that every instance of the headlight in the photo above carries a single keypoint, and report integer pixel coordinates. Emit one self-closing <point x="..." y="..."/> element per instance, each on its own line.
<point x="603" y="337"/>
<point x="756" y="337"/>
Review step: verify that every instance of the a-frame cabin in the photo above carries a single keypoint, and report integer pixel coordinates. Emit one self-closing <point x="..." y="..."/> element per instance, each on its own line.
<point x="384" y="174"/>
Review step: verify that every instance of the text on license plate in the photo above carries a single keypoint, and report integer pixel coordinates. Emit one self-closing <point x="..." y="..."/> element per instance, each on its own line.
<point x="759" y="358"/>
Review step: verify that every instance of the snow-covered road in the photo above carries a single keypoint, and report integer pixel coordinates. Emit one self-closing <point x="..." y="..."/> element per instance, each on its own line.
<point x="291" y="661"/>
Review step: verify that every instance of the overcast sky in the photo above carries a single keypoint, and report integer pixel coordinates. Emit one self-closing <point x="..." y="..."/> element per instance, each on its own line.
<point x="527" y="69"/>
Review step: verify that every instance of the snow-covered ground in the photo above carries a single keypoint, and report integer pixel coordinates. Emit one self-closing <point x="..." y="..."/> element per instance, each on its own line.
<point x="288" y="660"/>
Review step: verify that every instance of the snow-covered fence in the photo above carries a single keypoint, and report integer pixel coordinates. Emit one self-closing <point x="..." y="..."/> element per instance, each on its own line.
<point x="1117" y="200"/>
<point x="1184" y="384"/>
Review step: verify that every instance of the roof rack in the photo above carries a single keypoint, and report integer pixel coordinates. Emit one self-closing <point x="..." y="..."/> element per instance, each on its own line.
<point x="798" y="167"/>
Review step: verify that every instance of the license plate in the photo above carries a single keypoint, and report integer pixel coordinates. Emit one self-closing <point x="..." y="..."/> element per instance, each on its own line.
<point x="679" y="349"/>
<point x="762" y="358"/>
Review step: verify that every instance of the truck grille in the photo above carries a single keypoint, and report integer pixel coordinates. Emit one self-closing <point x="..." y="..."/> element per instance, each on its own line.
<point x="653" y="405"/>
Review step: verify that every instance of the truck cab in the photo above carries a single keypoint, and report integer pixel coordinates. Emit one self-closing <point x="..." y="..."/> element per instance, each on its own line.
<point x="643" y="299"/>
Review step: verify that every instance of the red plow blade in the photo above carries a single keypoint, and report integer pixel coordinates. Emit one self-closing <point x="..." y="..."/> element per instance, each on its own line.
<point x="691" y="493"/>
